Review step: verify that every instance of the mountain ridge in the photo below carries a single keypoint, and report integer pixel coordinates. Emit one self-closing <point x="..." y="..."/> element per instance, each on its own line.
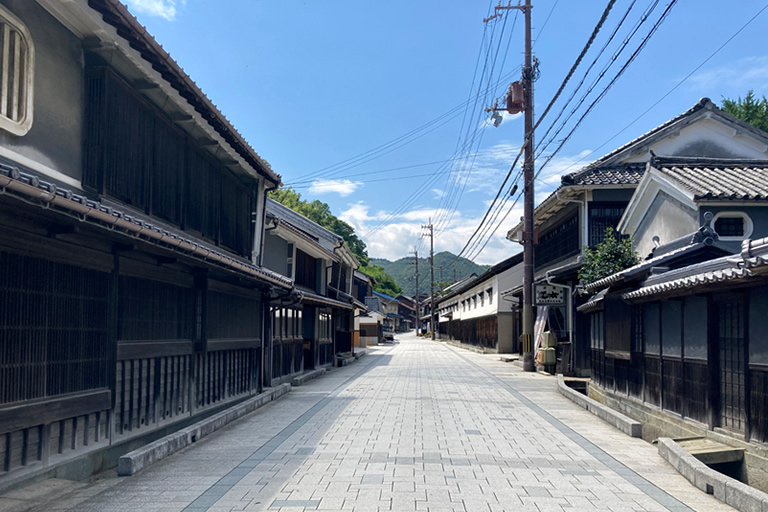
<point x="403" y="271"/>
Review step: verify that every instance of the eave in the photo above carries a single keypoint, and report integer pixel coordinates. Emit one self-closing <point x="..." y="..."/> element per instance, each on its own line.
<point x="107" y="27"/>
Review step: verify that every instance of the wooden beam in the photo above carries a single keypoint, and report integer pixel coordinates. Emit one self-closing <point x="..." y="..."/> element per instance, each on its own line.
<point x="43" y="412"/>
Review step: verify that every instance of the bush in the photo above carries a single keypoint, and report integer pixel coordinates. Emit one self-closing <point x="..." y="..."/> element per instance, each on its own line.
<point x="612" y="255"/>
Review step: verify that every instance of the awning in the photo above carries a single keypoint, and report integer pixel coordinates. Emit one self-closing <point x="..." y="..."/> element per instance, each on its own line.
<point x="512" y="291"/>
<point x="311" y="298"/>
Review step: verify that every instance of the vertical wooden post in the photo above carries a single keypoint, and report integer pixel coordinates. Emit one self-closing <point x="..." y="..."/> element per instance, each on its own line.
<point x="113" y="323"/>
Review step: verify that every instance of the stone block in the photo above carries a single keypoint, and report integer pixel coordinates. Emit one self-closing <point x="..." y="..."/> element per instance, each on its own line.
<point x="710" y="481"/>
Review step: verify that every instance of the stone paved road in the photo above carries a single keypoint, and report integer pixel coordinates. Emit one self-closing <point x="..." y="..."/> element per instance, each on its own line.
<point x="418" y="426"/>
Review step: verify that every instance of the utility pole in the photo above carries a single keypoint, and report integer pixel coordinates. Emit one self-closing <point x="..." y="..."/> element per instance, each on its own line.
<point x="513" y="106"/>
<point x="528" y="200"/>
<point x="418" y="312"/>
<point x="432" y="277"/>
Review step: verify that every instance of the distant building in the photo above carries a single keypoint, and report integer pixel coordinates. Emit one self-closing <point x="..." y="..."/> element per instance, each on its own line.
<point x="317" y="322"/>
<point x="474" y="313"/>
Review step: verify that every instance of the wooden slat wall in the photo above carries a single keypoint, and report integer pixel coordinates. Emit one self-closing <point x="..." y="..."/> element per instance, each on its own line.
<point x="653" y="380"/>
<point x="673" y="385"/>
<point x="147" y="162"/>
<point x="325" y="351"/>
<point x="696" y="390"/>
<point x="758" y="422"/>
<point x="480" y="332"/>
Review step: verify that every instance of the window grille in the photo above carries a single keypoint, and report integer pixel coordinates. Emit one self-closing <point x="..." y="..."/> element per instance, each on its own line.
<point x="560" y="242"/>
<point x="53" y="328"/>
<point x="16" y="74"/>
<point x="730" y="226"/>
<point x="601" y="217"/>
<point x="306" y="270"/>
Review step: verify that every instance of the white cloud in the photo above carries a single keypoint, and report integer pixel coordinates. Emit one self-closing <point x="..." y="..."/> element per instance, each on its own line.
<point x="341" y="187"/>
<point x="404" y="231"/>
<point x="167" y="9"/>
<point x="438" y="193"/>
<point x="741" y="75"/>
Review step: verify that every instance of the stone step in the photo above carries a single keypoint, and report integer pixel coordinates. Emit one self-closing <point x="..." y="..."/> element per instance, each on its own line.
<point x="711" y="452"/>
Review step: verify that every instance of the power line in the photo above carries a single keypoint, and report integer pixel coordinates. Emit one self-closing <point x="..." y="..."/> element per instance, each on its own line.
<point x="612" y="82"/>
<point x="544" y="144"/>
<point x="588" y="44"/>
<point x="455" y="191"/>
<point x="678" y="84"/>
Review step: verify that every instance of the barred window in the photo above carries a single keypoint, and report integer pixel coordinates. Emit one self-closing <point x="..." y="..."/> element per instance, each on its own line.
<point x="733" y="225"/>
<point x="559" y="242"/>
<point x="602" y="216"/>
<point x="16" y="74"/>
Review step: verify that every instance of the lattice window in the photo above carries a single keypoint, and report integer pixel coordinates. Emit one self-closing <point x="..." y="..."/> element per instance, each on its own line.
<point x="733" y="225"/>
<point x="559" y="242"/>
<point x="602" y="216"/>
<point x="16" y="74"/>
<point x="53" y="328"/>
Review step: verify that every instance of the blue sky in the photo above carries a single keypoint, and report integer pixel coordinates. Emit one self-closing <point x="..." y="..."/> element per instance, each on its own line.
<point x="377" y="107"/>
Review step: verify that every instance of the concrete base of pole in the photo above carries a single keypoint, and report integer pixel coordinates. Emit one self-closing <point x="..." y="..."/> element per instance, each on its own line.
<point x="528" y="363"/>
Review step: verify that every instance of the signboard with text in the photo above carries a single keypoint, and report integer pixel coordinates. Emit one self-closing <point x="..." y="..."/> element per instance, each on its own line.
<point x="548" y="295"/>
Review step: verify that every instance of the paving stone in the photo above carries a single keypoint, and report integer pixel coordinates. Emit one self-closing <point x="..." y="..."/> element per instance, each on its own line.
<point x="417" y="426"/>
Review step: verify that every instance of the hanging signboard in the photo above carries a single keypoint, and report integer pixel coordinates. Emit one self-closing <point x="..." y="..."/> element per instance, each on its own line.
<point x="548" y="295"/>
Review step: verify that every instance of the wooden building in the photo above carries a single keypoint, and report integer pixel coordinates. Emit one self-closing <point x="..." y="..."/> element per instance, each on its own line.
<point x="597" y="196"/>
<point x="475" y="313"/>
<point x="317" y="321"/>
<point x="131" y="228"/>
<point x="684" y="332"/>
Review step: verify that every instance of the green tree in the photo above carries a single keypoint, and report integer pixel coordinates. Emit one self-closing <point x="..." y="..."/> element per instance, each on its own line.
<point x="320" y="213"/>
<point x="608" y="257"/>
<point x="384" y="283"/>
<point x="750" y="110"/>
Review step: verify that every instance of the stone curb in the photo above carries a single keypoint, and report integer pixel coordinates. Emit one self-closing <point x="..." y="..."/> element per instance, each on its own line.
<point x="307" y="376"/>
<point x="627" y="425"/>
<point x="728" y="490"/>
<point x="360" y="352"/>
<point x="133" y="462"/>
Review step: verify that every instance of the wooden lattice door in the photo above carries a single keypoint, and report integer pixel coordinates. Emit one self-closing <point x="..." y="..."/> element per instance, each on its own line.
<point x="732" y="372"/>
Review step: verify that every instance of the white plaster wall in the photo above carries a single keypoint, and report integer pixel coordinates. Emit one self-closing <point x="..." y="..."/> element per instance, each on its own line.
<point x="707" y="137"/>
<point x="666" y="218"/>
<point x="509" y="279"/>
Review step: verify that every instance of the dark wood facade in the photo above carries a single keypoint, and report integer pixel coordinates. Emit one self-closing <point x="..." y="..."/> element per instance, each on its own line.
<point x="93" y="356"/>
<point x="132" y="300"/>
<point x="701" y="356"/>
<point x="480" y="332"/>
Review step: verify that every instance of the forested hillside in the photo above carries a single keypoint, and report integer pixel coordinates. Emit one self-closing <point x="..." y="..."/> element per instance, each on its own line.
<point x="320" y="213"/>
<point x="404" y="269"/>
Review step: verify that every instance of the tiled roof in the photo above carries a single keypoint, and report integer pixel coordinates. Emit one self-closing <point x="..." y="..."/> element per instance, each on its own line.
<point x="137" y="36"/>
<point x="384" y="296"/>
<point x="627" y="174"/>
<point x="282" y="212"/>
<point x="752" y="260"/>
<point x="710" y="178"/>
<point x="320" y="299"/>
<point x="699" y="240"/>
<point x="593" y="303"/>
<point x="373" y="304"/>
<point x="32" y="189"/>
